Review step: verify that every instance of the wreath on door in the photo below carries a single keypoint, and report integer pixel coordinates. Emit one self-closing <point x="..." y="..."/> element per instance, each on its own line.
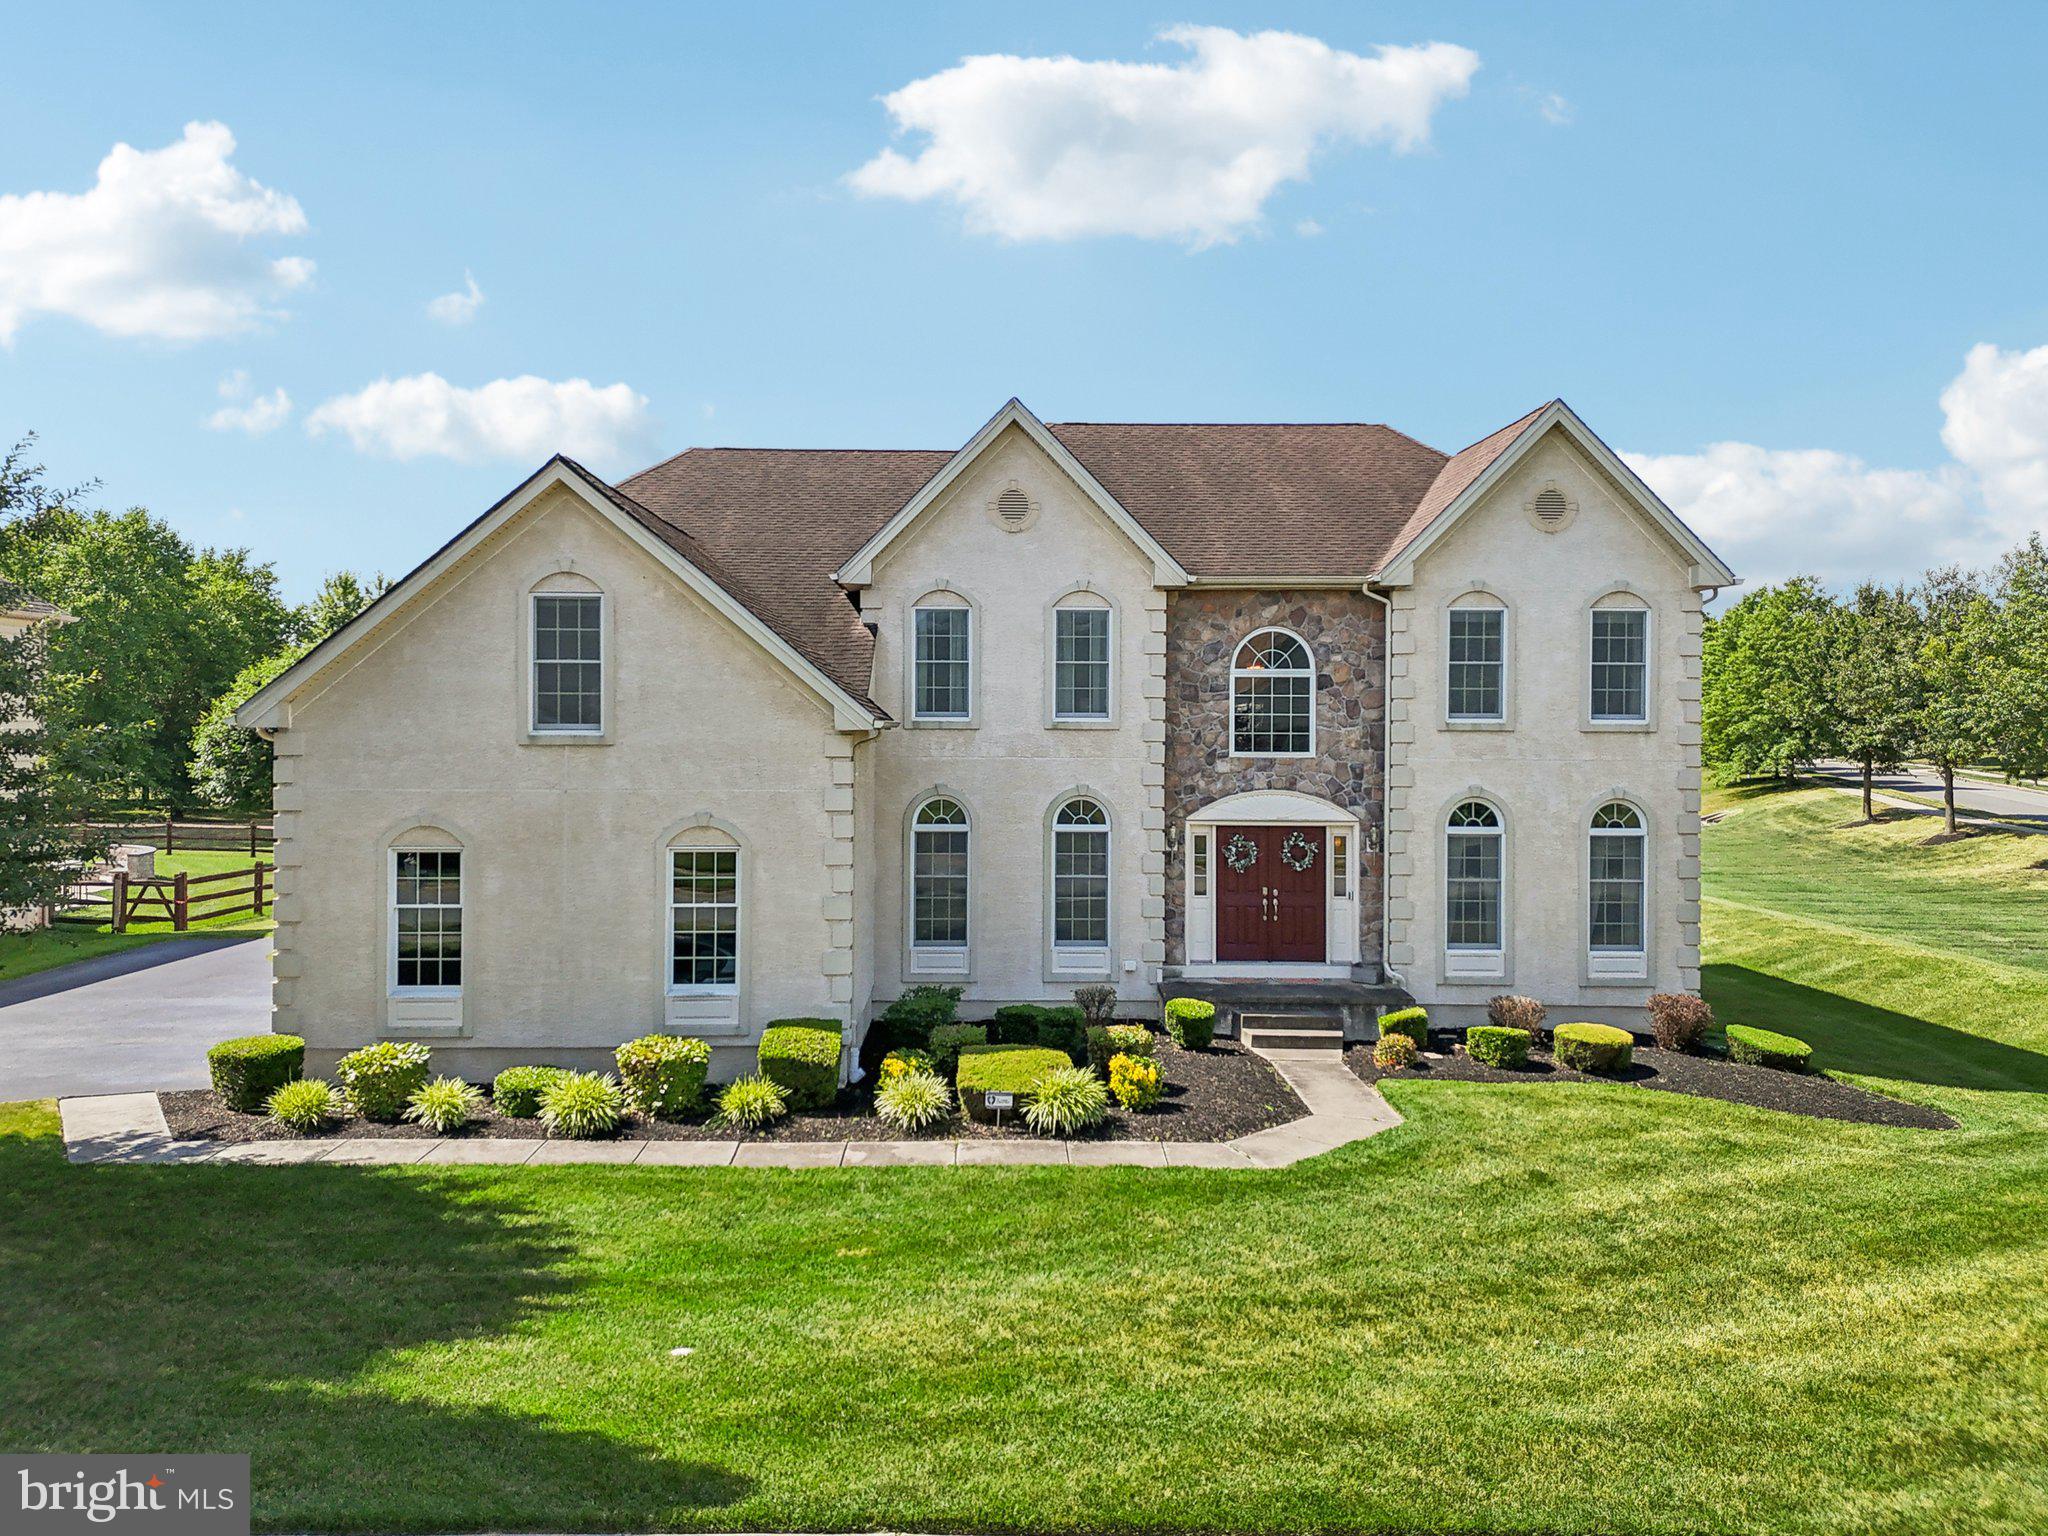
<point x="1240" y="853"/>
<point x="1298" y="853"/>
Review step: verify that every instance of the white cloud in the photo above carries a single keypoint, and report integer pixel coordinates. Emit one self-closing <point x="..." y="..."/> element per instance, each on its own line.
<point x="460" y="307"/>
<point x="1063" y="148"/>
<point x="1773" y="513"/>
<point x="243" y="413"/>
<point x="1308" y="229"/>
<point x="162" y="245"/>
<point x="1555" y="109"/>
<point x="526" y="418"/>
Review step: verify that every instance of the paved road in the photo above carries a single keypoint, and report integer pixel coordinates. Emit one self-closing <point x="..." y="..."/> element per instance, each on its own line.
<point x="131" y="1021"/>
<point x="2006" y="802"/>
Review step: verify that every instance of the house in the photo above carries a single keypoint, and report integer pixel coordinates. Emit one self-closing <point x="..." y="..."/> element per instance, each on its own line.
<point x="766" y="733"/>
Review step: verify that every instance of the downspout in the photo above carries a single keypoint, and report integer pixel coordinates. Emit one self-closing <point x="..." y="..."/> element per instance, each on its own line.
<point x="849" y="1056"/>
<point x="1386" y="771"/>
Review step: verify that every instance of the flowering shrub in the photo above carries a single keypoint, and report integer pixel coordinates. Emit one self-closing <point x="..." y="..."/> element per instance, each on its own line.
<point x="1135" y="1082"/>
<point x="1393" y="1052"/>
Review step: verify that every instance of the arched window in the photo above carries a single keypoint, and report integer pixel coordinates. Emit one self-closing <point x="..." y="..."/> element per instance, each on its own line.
<point x="426" y="915"/>
<point x="1080" y="875"/>
<point x="939" y="834"/>
<point x="1615" y="880"/>
<point x="704" y="914"/>
<point x="1272" y="697"/>
<point x="1472" y="878"/>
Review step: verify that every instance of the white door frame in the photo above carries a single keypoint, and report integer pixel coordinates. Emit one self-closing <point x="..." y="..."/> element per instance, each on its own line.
<point x="1271" y="808"/>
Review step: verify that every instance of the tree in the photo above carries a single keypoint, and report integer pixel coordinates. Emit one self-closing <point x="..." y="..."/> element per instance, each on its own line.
<point x="1764" y="708"/>
<point x="341" y="597"/>
<point x="2018" y="684"/>
<point x="1874" y="680"/>
<point x="230" y="764"/>
<point x="1954" y="722"/>
<point x="43" y="839"/>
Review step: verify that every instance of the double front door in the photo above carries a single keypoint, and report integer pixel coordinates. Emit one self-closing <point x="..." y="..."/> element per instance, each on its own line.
<point x="1270" y="885"/>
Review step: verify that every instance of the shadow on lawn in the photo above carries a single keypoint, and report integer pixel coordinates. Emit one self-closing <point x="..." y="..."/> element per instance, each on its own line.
<point x="1855" y="1037"/>
<point x="231" y="1309"/>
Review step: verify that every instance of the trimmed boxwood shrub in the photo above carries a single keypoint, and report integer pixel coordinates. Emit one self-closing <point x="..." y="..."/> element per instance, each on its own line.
<point x="246" y="1071"/>
<point x="663" y="1075"/>
<point x="1015" y="1024"/>
<point x="1766" y="1048"/>
<point x="1191" y="1022"/>
<point x="948" y="1040"/>
<point x="801" y="1057"/>
<point x="1412" y="1022"/>
<point x="517" y="1090"/>
<point x="1593" y="1047"/>
<point x="1496" y="1045"/>
<point x="1107" y="1040"/>
<point x="910" y="1020"/>
<point x="1064" y="1028"/>
<point x="381" y="1079"/>
<point x="1679" y="1021"/>
<point x="1012" y="1069"/>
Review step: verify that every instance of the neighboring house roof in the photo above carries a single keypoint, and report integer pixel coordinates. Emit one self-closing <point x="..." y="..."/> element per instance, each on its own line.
<point x="17" y="603"/>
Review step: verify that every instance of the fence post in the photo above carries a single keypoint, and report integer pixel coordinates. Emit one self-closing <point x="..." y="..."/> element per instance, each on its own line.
<point x="252" y="838"/>
<point x="179" y="918"/>
<point x="259" y="890"/>
<point x="170" y="835"/>
<point x="120" y="924"/>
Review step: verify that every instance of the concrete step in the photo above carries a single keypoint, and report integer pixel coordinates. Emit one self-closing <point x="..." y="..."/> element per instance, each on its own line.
<point x="1282" y="1032"/>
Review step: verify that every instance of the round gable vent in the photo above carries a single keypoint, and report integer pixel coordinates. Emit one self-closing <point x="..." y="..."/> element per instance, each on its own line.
<point x="1551" y="510"/>
<point x="1012" y="509"/>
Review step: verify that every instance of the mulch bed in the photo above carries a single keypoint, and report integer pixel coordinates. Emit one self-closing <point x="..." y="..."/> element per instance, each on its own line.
<point x="1703" y="1077"/>
<point x="1213" y="1095"/>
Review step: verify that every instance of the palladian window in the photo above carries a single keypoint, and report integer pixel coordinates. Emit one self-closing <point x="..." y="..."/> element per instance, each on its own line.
<point x="1272" y="697"/>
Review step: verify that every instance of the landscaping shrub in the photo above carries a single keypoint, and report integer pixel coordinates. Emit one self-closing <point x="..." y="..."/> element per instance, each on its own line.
<point x="1679" y="1021"/>
<point x="948" y="1040"/>
<point x="901" y="1063"/>
<point x="304" y="1105"/>
<point x="246" y="1071"/>
<point x="1134" y="1081"/>
<point x="749" y="1103"/>
<point x="1064" y="1028"/>
<point x="518" y="1089"/>
<point x="1512" y="1012"/>
<point x="381" y="1079"/>
<point x="581" y="1104"/>
<point x="1097" y="1004"/>
<point x="913" y="1100"/>
<point x="1107" y="1040"/>
<point x="1015" y="1024"/>
<point x="446" y="1104"/>
<point x="801" y="1057"/>
<point x="663" y="1075"/>
<point x="911" y="1019"/>
<point x="1766" y="1048"/>
<point x="1191" y="1022"/>
<point x="1412" y="1022"/>
<point x="1496" y="1045"/>
<point x="1390" y="1053"/>
<point x="1066" y="1100"/>
<point x="1593" y="1047"/>
<point x="1012" y="1069"/>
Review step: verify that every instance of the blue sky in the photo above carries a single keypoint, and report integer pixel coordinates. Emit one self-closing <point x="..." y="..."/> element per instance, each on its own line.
<point x="1754" y="245"/>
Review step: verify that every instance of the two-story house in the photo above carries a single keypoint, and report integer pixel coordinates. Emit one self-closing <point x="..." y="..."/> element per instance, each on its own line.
<point x="767" y="733"/>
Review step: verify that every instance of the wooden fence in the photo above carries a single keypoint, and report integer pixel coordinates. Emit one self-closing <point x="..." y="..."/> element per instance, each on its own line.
<point x="169" y="836"/>
<point x="119" y="899"/>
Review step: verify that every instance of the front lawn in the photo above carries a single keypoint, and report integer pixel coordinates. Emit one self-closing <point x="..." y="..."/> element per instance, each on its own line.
<point x="1567" y="1307"/>
<point x="23" y="954"/>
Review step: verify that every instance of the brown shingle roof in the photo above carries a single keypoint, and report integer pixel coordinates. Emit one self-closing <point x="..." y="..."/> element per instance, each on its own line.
<point x="1459" y="471"/>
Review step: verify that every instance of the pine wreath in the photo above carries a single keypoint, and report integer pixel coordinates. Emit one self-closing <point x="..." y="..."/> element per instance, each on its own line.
<point x="1297" y="853"/>
<point x="1240" y="853"/>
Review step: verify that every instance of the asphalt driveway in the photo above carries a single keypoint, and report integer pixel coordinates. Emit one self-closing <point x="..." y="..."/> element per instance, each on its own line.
<point x="132" y="1021"/>
<point x="1974" y="797"/>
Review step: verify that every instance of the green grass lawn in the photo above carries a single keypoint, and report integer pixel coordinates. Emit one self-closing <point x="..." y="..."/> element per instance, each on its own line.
<point x="22" y="954"/>
<point x="1566" y="1308"/>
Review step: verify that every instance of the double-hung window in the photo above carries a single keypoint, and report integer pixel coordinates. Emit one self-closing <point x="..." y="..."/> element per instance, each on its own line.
<point x="939" y="847"/>
<point x="704" y="919"/>
<point x="1476" y="687"/>
<point x="426" y="919"/>
<point x="942" y="663"/>
<point x="1080" y="876"/>
<point x="1615" y="890"/>
<point x="1080" y="683"/>
<point x="568" y="663"/>
<point x="1620" y="681"/>
<point x="1474" y="891"/>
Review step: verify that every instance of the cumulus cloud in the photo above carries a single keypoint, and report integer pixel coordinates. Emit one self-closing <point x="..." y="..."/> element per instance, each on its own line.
<point x="1308" y="229"/>
<point x="526" y="418"/>
<point x="244" y="412"/>
<point x="1555" y="110"/>
<point x="1064" y="148"/>
<point x="1773" y="513"/>
<point x="459" y="307"/>
<point x="166" y="243"/>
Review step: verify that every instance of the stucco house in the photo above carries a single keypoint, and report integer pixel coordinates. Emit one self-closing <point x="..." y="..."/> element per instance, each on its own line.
<point x="766" y="733"/>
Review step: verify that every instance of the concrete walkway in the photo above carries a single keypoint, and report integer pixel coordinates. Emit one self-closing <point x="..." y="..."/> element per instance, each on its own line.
<point x="130" y="1128"/>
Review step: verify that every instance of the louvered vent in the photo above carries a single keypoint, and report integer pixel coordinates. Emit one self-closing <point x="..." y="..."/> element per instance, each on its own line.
<point x="1013" y="509"/>
<point x="1551" y="509"/>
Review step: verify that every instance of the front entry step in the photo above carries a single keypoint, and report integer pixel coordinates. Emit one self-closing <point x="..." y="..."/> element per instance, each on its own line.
<point x="1292" y="1032"/>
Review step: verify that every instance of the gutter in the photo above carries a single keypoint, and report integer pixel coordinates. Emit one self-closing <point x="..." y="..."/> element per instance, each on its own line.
<point x="1387" y="769"/>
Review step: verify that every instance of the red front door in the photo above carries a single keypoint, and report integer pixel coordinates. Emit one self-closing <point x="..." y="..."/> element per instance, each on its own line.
<point x="1269" y="894"/>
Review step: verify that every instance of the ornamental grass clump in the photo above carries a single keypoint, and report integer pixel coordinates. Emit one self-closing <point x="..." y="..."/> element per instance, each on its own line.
<point x="1593" y="1047"/>
<point x="304" y="1106"/>
<point x="749" y="1104"/>
<point x="913" y="1101"/>
<point x="1135" y="1081"/>
<point x="247" y="1070"/>
<point x="1495" y="1046"/>
<point x="582" y="1105"/>
<point x="1679" y="1021"/>
<point x="663" y="1075"/>
<point x="1191" y="1022"/>
<point x="446" y="1104"/>
<point x="517" y="1090"/>
<point x="381" y="1079"/>
<point x="1767" y="1048"/>
<point x="1390" y="1053"/>
<point x="1066" y="1101"/>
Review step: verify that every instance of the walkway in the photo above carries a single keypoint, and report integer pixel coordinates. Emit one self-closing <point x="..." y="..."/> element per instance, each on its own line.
<point x="130" y="1128"/>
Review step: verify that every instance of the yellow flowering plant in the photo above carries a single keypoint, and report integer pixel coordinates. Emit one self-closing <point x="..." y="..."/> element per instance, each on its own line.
<point x="1135" y="1081"/>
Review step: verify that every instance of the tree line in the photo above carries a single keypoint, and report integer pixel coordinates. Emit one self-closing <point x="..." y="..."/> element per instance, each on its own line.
<point x="1950" y="670"/>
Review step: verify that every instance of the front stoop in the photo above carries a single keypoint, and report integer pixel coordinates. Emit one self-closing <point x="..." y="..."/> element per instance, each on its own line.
<point x="1354" y="1006"/>
<point x="1342" y="1108"/>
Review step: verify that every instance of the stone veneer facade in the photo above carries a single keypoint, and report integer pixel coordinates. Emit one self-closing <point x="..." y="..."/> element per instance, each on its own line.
<point x="1346" y="632"/>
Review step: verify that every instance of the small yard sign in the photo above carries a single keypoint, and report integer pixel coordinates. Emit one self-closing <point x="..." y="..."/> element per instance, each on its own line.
<point x="1001" y="1100"/>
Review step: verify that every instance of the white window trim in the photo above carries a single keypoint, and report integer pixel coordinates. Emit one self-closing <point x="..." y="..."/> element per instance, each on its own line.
<point x="1615" y="967"/>
<point x="953" y="961"/>
<point x="912" y="717"/>
<point x="1588" y="721"/>
<point x="534" y="730"/>
<point x="1489" y="965"/>
<point x="1067" y="602"/>
<point x="391" y="858"/>
<point x="1230" y="719"/>
<point x="1480" y="599"/>
<point x="739" y="923"/>
<point x="1065" y="959"/>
